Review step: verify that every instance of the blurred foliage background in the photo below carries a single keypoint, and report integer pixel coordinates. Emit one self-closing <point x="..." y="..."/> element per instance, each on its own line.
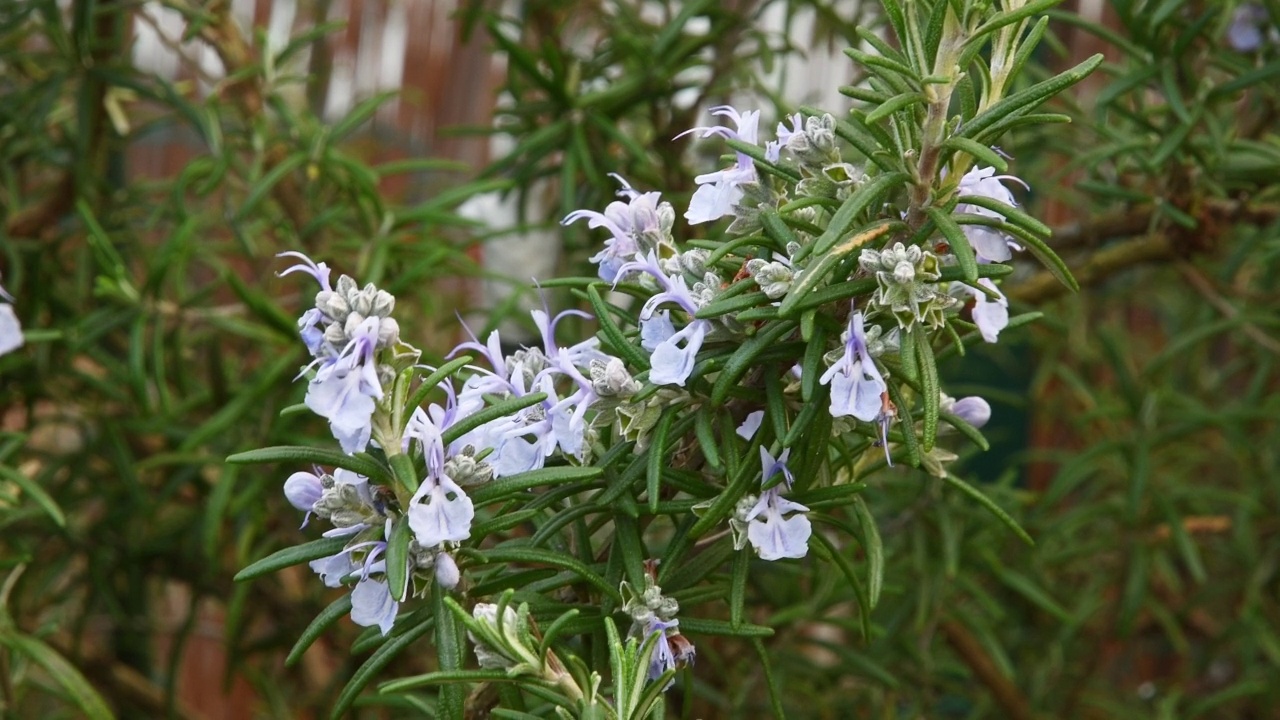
<point x="1136" y="424"/>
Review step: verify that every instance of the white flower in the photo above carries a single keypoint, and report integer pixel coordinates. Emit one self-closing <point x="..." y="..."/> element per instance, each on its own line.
<point x="719" y="191"/>
<point x="771" y="533"/>
<point x="774" y="536"/>
<point x="856" y="383"/>
<point x="372" y="604"/>
<point x="991" y="316"/>
<point x="440" y="511"/>
<point x="990" y="244"/>
<point x="750" y="425"/>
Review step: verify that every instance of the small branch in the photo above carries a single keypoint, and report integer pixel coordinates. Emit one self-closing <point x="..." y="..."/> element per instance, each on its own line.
<point x="1216" y="218"/>
<point x="1205" y="287"/>
<point x="1104" y="263"/>
<point x="238" y="60"/>
<point x="1005" y="693"/>
<point x="31" y="222"/>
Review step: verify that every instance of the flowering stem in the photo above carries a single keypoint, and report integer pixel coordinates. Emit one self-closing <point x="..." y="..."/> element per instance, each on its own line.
<point x="935" y="125"/>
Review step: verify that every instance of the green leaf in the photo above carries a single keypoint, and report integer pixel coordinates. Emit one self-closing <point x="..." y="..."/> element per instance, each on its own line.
<point x="893" y="105"/>
<point x="634" y="356"/>
<point x="909" y="440"/>
<point x="398" y="558"/>
<point x="450" y="646"/>
<point x="738" y="587"/>
<point x="489" y="414"/>
<point x="771" y="680"/>
<point x="737" y="303"/>
<point x="969" y="431"/>
<point x="706" y="436"/>
<point x="1014" y="215"/>
<point x="539" y="556"/>
<point x="843" y="221"/>
<point x="445" y="677"/>
<point x="33" y="490"/>
<point x="61" y="671"/>
<point x="379" y="660"/>
<point x="658" y="451"/>
<point x="744" y="358"/>
<point x="359" y="115"/>
<point x="705" y="626"/>
<point x="268" y="181"/>
<point x="296" y="555"/>
<point x="511" y="485"/>
<point x="929" y="386"/>
<point x="874" y="546"/>
<point x="990" y="505"/>
<point x="827" y="261"/>
<point x="1047" y="257"/>
<point x="959" y="242"/>
<point x="1026" y="100"/>
<point x="1009" y="17"/>
<point x="824" y="549"/>
<point x="360" y="464"/>
<point x="430" y="382"/>
<point x="318" y="626"/>
<point x="979" y="152"/>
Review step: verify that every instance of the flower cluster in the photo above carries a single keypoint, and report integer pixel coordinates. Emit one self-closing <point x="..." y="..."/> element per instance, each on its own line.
<point x="654" y="615"/>
<point x="357" y="356"/>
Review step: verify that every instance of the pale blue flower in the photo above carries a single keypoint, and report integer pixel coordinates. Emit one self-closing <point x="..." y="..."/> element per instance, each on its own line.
<point x="769" y="530"/>
<point x="988" y="243"/>
<point x="655" y="330"/>
<point x="973" y="410"/>
<point x="634" y="226"/>
<point x="10" y="330"/>
<point x="440" y="511"/>
<point x="1245" y="33"/>
<point x="311" y="329"/>
<point x="334" y="568"/>
<point x="856" y="383"/>
<point x="345" y="389"/>
<point x="447" y="573"/>
<point x="720" y="191"/>
<point x="784" y="133"/>
<point x="750" y="425"/>
<point x="991" y="316"/>
<point x="319" y="271"/>
<point x="372" y="603"/>
<point x="303" y="490"/>
<point x="773" y="535"/>
<point x="672" y="358"/>
<point x="662" y="659"/>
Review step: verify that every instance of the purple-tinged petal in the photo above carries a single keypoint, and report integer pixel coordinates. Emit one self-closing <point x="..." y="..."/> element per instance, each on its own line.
<point x="334" y="568"/>
<point x="303" y="490"/>
<point x="447" y="572"/>
<point x="656" y="330"/>
<point x="973" y="410"/>
<point x="671" y="363"/>
<point x="319" y="271"/>
<point x="749" y="426"/>
<point x="440" y="511"/>
<point x="372" y="604"/>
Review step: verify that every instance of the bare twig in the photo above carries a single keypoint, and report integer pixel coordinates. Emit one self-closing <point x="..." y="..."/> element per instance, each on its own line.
<point x="1216" y="218"/>
<point x="1003" y="691"/>
<point x="1205" y="287"/>
<point x="1104" y="263"/>
<point x="246" y="91"/>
